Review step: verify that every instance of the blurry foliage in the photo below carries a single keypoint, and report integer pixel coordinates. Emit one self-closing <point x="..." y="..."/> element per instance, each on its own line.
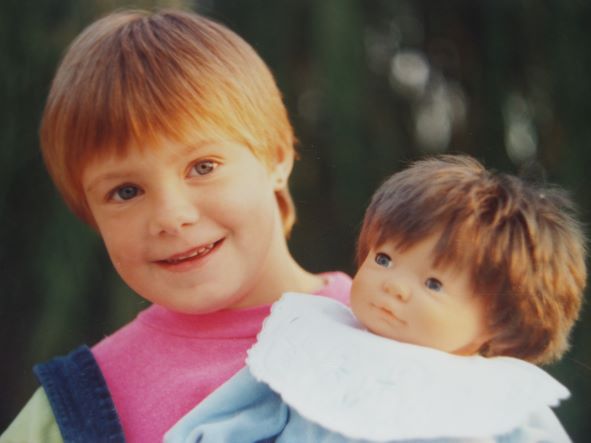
<point x="370" y="85"/>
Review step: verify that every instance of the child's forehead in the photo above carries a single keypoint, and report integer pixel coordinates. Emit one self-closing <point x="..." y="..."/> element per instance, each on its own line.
<point x="141" y="158"/>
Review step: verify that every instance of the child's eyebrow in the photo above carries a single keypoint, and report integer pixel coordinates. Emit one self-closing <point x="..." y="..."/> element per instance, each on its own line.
<point x="109" y="176"/>
<point x="187" y="149"/>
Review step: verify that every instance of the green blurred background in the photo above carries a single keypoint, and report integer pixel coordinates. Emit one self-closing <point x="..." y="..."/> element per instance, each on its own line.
<point x="369" y="86"/>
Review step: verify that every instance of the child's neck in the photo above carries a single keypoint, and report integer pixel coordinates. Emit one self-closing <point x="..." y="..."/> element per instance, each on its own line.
<point x="280" y="273"/>
<point x="304" y="281"/>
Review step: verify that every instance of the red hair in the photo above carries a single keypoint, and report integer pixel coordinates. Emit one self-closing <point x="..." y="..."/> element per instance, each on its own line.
<point x="133" y="78"/>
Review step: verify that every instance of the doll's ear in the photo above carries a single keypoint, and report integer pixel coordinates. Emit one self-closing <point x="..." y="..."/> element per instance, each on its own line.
<point x="485" y="345"/>
<point x="281" y="169"/>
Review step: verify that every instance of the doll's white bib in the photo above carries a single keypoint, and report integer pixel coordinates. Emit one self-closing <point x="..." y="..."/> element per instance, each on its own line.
<point x="315" y="354"/>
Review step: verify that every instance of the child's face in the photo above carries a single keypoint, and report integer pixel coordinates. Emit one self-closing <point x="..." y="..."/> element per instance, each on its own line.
<point x="194" y="228"/>
<point x="400" y="295"/>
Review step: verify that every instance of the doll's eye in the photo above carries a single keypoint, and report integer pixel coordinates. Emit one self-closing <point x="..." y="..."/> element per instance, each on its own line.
<point x="125" y="192"/>
<point x="433" y="284"/>
<point x="383" y="260"/>
<point x="204" y="167"/>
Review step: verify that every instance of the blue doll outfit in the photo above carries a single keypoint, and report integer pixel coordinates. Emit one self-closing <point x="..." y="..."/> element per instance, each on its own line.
<point x="315" y="375"/>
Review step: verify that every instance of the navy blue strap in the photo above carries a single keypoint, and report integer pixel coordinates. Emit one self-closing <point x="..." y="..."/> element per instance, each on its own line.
<point x="79" y="398"/>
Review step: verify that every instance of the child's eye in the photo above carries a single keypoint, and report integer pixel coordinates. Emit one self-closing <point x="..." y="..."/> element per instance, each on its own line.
<point x="383" y="260"/>
<point x="203" y="167"/>
<point x="125" y="192"/>
<point x="433" y="284"/>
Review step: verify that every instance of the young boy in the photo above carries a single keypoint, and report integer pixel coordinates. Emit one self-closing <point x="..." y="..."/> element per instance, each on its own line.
<point x="166" y="132"/>
<point x="483" y="266"/>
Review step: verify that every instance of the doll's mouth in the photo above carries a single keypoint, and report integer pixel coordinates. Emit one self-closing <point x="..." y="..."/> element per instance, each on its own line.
<point x="389" y="314"/>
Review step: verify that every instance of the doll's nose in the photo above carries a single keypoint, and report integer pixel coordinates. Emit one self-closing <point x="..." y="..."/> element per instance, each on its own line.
<point x="398" y="289"/>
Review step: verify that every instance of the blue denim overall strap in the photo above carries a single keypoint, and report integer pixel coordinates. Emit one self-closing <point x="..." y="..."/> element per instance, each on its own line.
<point x="79" y="398"/>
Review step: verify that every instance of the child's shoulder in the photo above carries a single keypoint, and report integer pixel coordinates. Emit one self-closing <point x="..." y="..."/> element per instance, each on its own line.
<point x="120" y="338"/>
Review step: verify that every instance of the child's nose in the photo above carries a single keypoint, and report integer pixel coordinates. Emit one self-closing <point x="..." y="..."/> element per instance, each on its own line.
<point x="398" y="288"/>
<point x="172" y="213"/>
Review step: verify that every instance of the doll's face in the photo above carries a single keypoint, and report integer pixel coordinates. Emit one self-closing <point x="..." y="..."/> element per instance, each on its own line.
<point x="400" y="295"/>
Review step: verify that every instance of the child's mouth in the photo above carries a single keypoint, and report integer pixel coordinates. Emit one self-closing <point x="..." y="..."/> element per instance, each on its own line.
<point x="192" y="255"/>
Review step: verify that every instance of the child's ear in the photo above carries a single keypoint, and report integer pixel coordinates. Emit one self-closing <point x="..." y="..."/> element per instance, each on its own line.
<point x="281" y="169"/>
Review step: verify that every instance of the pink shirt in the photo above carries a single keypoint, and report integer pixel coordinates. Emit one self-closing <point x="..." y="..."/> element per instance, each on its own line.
<point x="159" y="366"/>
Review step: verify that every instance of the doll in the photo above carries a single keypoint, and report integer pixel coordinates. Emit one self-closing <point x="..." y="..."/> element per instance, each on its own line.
<point x="466" y="278"/>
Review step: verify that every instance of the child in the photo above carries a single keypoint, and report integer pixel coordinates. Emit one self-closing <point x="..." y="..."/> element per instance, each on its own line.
<point x="454" y="258"/>
<point x="166" y="132"/>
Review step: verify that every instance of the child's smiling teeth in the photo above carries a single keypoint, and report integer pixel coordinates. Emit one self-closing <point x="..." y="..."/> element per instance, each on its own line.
<point x="196" y="253"/>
